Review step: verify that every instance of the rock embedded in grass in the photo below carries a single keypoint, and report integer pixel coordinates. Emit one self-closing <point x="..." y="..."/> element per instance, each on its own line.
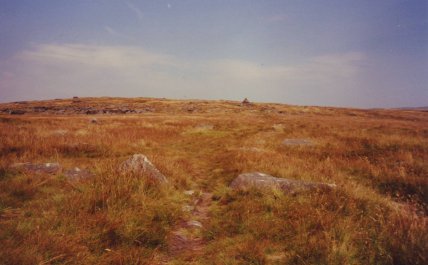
<point x="78" y="174"/>
<point x="257" y="180"/>
<point x="140" y="165"/>
<point x="189" y="192"/>
<point x="46" y="168"/>
<point x="194" y="224"/>
<point x="298" y="142"/>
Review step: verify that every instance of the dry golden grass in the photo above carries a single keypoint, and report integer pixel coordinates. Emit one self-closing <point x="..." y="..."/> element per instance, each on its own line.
<point x="378" y="159"/>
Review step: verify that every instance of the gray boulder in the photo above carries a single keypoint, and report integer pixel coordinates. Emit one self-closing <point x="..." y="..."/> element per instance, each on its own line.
<point x="263" y="181"/>
<point x="141" y="166"/>
<point x="45" y="168"/>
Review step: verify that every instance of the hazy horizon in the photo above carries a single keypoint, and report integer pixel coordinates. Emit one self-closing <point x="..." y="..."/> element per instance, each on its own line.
<point x="361" y="54"/>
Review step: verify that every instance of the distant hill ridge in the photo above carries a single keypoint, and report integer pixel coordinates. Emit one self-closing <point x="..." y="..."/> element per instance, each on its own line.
<point x="144" y="106"/>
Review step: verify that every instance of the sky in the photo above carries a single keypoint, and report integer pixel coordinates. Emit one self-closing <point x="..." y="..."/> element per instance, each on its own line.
<point x="359" y="53"/>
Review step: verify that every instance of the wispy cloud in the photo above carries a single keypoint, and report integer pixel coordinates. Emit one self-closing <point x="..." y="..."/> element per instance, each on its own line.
<point x="111" y="31"/>
<point x="136" y="10"/>
<point x="92" y="70"/>
<point x="114" y="33"/>
<point x="94" y="56"/>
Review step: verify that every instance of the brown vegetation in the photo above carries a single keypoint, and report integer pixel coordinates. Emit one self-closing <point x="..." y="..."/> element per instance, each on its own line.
<point x="377" y="214"/>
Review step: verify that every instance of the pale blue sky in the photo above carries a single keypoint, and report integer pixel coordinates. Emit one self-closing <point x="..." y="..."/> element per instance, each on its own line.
<point x="339" y="53"/>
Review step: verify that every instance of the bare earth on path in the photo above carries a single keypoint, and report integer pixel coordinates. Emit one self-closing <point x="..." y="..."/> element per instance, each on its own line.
<point x="185" y="240"/>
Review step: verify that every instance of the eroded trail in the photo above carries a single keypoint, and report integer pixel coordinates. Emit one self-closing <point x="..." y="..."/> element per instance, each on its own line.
<point x="186" y="239"/>
<point x="187" y="236"/>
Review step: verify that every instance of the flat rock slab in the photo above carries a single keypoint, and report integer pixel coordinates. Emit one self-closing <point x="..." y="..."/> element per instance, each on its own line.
<point x="78" y="174"/>
<point x="263" y="181"/>
<point x="45" y="168"/>
<point x="194" y="223"/>
<point x="141" y="166"/>
<point x="298" y="142"/>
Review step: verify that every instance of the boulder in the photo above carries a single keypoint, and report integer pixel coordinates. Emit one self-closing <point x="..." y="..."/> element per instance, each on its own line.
<point x="46" y="168"/>
<point x="141" y="166"/>
<point x="263" y="181"/>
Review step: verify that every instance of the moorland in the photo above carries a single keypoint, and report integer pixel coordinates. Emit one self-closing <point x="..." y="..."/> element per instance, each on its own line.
<point x="377" y="159"/>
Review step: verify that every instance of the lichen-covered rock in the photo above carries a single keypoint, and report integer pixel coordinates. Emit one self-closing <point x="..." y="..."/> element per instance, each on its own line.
<point x="46" y="168"/>
<point x="141" y="166"/>
<point x="263" y="181"/>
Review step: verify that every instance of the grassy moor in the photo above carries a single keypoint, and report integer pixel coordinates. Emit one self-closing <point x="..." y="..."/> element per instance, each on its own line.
<point x="72" y="191"/>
